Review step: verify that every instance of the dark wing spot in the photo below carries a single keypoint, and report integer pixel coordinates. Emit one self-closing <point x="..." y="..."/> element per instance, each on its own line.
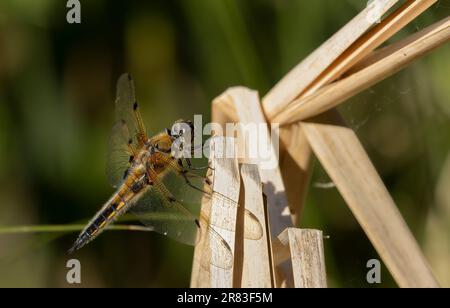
<point x="135" y="106"/>
<point x="197" y="223"/>
<point x="131" y="158"/>
<point x="130" y="141"/>
<point x="125" y="174"/>
<point x="168" y="131"/>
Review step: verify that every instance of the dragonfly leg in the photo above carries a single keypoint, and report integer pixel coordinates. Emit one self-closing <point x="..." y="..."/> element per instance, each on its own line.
<point x="190" y="167"/>
<point x="188" y="182"/>
<point x="188" y="174"/>
<point x="189" y="163"/>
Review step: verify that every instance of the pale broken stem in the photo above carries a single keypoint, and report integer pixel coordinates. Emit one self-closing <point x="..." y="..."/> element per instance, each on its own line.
<point x="332" y="59"/>
<point x="335" y="57"/>
<point x="348" y="165"/>
<point x="306" y="252"/>
<point x="296" y="158"/>
<point x="296" y="161"/>
<point x="255" y="272"/>
<point x="301" y="76"/>
<point x="395" y="58"/>
<point x="370" y="41"/>
<point x="226" y="182"/>
<point x="246" y="104"/>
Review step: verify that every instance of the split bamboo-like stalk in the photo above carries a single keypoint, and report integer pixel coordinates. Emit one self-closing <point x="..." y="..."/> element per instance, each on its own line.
<point x="225" y="181"/>
<point x="256" y="263"/>
<point x="369" y="41"/>
<point x="246" y="271"/>
<point x="296" y="157"/>
<point x="391" y="60"/>
<point x="296" y="164"/>
<point x="341" y="154"/>
<point x="329" y="62"/>
<point x="307" y="256"/>
<point x="246" y="104"/>
<point x="305" y="92"/>
<point x="301" y="76"/>
<point x="357" y="51"/>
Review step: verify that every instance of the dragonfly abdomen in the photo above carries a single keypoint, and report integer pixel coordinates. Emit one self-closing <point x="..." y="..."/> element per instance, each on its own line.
<point x="94" y="228"/>
<point x="109" y="213"/>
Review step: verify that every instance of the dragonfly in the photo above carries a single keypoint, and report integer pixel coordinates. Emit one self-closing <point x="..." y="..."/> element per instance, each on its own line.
<point x="161" y="189"/>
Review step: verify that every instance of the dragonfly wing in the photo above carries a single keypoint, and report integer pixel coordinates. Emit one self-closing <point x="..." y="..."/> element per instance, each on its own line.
<point x="128" y="134"/>
<point x="118" y="154"/>
<point x="252" y="226"/>
<point x="166" y="215"/>
<point x="190" y="187"/>
<point x="155" y="210"/>
<point x="127" y="110"/>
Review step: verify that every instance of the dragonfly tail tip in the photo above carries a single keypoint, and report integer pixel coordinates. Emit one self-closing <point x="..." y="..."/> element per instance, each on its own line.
<point x="71" y="250"/>
<point x="79" y="243"/>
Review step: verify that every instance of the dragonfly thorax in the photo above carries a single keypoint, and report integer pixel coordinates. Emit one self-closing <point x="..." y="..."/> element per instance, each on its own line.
<point x="149" y="157"/>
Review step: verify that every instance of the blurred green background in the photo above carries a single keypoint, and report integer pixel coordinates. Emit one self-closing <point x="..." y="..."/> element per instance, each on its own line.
<point x="57" y="88"/>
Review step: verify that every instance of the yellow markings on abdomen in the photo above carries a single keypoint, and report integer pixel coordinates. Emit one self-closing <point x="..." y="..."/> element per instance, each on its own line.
<point x="123" y="196"/>
<point x="113" y="213"/>
<point x="117" y="203"/>
<point x="120" y="205"/>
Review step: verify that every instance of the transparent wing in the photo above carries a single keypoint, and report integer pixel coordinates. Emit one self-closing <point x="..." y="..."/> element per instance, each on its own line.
<point x="127" y="135"/>
<point x="191" y="188"/>
<point x="171" y="207"/>
<point x="127" y="108"/>
<point x="118" y="154"/>
<point x="161" y="211"/>
<point x="154" y="209"/>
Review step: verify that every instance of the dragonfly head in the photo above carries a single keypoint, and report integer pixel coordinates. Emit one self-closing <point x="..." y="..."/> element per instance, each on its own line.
<point x="182" y="128"/>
